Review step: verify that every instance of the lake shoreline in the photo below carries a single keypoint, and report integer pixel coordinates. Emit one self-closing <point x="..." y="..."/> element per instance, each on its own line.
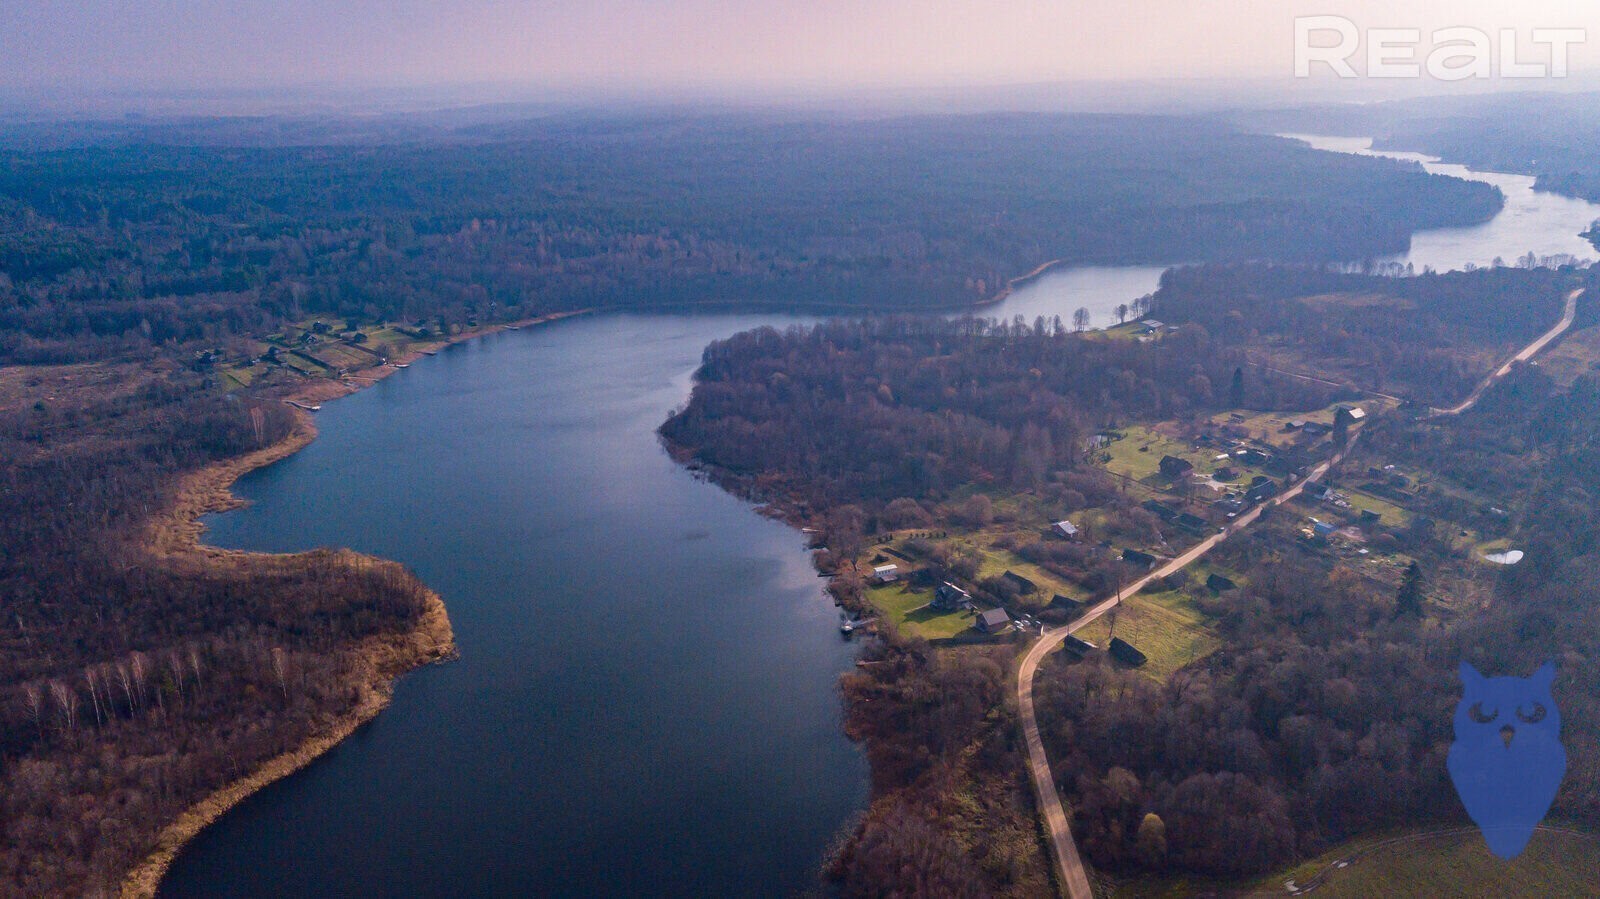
<point x="1020" y="281"/>
<point x="175" y="535"/>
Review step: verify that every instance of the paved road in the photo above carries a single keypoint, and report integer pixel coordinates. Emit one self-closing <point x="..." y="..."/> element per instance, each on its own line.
<point x="1528" y="352"/>
<point x="1072" y="876"/>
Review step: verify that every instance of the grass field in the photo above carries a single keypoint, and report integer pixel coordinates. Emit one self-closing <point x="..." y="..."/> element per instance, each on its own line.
<point x="908" y="610"/>
<point x="1125" y="331"/>
<point x="1577" y="354"/>
<point x="1267" y="427"/>
<point x="1391" y="514"/>
<point x="1554" y="864"/>
<point x="235" y="378"/>
<point x="302" y="365"/>
<point x="1166" y="627"/>
<point x="337" y="355"/>
<point x="1138" y="454"/>
<point x="998" y="561"/>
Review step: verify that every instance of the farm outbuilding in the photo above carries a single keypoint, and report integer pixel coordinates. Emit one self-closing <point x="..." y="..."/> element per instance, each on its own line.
<point x="1124" y="652"/>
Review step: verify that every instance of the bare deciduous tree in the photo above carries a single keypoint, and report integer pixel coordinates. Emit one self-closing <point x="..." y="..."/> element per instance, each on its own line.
<point x="126" y="681"/>
<point x="66" y="704"/>
<point x="175" y="665"/>
<point x="194" y="663"/>
<point x="92" y="678"/>
<point x="140" y="668"/>
<point x="34" y="699"/>
<point x="280" y="667"/>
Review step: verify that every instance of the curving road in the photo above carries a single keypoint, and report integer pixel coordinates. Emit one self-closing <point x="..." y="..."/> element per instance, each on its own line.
<point x="1070" y="873"/>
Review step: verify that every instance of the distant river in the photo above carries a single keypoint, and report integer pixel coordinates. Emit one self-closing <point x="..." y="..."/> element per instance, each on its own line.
<point x="1548" y="225"/>
<point x="646" y="701"/>
<point x="1544" y="224"/>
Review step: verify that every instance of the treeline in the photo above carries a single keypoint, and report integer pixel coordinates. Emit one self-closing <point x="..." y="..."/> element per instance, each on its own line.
<point x="1320" y="719"/>
<point x="1328" y="712"/>
<point x="950" y="814"/>
<point x="862" y="413"/>
<point x="133" y="684"/>
<point x="110" y="249"/>
<point x="1432" y="337"/>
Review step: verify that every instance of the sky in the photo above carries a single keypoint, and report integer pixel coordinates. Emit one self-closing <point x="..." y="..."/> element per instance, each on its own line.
<point x="97" y="45"/>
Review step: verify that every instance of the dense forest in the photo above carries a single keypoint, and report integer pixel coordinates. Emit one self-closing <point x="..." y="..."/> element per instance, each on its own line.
<point x="951" y="814"/>
<point x="1429" y="338"/>
<point x="867" y="412"/>
<point x="111" y="248"/>
<point x="137" y="679"/>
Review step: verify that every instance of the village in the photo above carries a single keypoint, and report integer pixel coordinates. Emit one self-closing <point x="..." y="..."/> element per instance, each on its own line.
<point x="1040" y="564"/>
<point x="318" y="349"/>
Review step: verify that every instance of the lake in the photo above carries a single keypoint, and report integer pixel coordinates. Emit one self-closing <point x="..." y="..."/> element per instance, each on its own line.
<point x="646" y="699"/>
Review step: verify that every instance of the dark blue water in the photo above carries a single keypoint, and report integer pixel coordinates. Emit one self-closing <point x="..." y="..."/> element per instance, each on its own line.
<point x="646" y="700"/>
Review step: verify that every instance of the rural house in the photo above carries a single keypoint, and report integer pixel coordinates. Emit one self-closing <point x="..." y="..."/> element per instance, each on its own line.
<point x="1174" y="467"/>
<point x="1138" y="558"/>
<point x="993" y="621"/>
<point x="949" y="597"/>
<point x="1261" y="490"/>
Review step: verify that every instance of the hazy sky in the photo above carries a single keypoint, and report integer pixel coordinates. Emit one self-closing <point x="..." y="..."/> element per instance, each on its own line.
<point x="77" y="44"/>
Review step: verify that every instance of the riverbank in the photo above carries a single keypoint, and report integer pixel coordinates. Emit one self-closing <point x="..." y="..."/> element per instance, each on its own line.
<point x="174" y="536"/>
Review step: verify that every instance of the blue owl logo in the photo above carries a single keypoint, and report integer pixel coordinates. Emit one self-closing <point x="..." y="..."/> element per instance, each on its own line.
<point x="1507" y="761"/>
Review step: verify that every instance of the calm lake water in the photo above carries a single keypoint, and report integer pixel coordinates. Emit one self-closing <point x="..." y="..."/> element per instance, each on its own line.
<point x="1099" y="289"/>
<point x="646" y="699"/>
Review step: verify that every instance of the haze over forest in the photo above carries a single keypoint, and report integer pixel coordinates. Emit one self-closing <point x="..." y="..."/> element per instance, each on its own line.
<point x="303" y="55"/>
